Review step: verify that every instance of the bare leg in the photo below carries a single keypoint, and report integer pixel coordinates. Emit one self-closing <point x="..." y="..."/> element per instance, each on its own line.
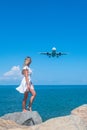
<point x="32" y="91"/>
<point x="24" y="101"/>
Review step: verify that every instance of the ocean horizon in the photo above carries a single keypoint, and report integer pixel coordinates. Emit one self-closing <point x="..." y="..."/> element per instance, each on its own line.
<point x="51" y="100"/>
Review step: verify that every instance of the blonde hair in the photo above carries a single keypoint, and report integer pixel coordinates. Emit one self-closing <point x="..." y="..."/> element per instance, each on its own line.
<point x="27" y="61"/>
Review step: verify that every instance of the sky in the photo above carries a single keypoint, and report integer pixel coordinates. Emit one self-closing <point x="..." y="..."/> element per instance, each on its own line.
<point x="28" y="27"/>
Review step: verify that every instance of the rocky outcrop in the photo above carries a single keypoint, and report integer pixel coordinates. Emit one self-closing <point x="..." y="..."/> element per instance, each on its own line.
<point x="77" y="120"/>
<point x="81" y="112"/>
<point x="7" y="124"/>
<point x="24" y="118"/>
<point x="71" y="122"/>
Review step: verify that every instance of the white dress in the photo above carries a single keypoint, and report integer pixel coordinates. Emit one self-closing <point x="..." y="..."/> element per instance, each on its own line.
<point x="23" y="86"/>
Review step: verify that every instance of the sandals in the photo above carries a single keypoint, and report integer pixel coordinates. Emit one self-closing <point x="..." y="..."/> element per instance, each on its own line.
<point x="29" y="108"/>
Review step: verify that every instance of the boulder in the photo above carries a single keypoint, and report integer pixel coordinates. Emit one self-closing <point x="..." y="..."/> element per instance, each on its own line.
<point x="8" y="124"/>
<point x="70" y="122"/>
<point x="24" y="118"/>
<point x="81" y="112"/>
<point x="77" y="120"/>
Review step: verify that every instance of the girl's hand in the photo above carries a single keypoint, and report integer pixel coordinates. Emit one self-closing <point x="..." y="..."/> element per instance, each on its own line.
<point x="28" y="87"/>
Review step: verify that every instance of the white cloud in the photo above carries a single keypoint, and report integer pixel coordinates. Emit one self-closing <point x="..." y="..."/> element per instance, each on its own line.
<point x="13" y="74"/>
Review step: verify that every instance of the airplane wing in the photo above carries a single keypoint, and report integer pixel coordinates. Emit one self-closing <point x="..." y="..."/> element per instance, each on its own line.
<point x="46" y="53"/>
<point x="61" y="53"/>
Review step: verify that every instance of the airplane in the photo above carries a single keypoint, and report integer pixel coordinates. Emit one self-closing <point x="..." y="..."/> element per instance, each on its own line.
<point x="53" y="53"/>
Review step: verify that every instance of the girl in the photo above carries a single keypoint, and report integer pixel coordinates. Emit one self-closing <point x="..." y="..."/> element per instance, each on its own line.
<point x="26" y="85"/>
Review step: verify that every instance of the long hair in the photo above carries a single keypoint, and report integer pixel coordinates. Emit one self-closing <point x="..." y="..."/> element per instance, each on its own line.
<point x="25" y="62"/>
<point x="26" y="59"/>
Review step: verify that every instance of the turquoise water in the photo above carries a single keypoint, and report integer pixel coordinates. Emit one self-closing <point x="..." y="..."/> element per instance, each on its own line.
<point x="51" y="101"/>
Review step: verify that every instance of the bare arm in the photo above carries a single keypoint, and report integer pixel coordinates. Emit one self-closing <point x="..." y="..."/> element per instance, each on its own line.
<point x="26" y="73"/>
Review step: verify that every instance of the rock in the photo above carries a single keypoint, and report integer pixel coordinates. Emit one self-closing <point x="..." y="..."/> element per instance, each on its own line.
<point x="24" y="118"/>
<point x="77" y="120"/>
<point x="70" y="122"/>
<point x="7" y="124"/>
<point x="81" y="112"/>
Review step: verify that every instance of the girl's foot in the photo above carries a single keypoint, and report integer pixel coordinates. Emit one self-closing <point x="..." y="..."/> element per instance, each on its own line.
<point x="24" y="110"/>
<point x="29" y="109"/>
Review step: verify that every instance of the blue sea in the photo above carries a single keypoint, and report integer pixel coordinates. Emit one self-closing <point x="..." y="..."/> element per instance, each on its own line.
<point x="51" y="100"/>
